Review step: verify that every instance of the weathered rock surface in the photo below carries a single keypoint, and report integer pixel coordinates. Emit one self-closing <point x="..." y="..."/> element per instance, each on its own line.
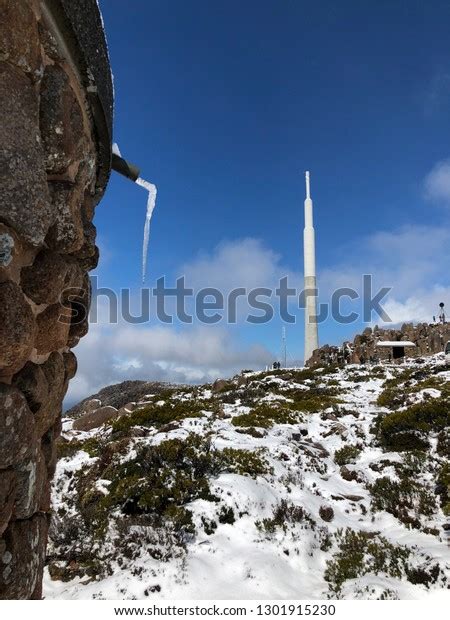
<point x="95" y="418"/>
<point x="32" y="382"/>
<point x="24" y="197"/>
<point x="428" y="338"/>
<point x="53" y="325"/>
<point x="54" y="164"/>
<point x="17" y="328"/>
<point x="19" y="41"/>
<point x="49" y="277"/>
<point x="22" y="553"/>
<point x="7" y="497"/>
<point x="61" y="120"/>
<point x="17" y="431"/>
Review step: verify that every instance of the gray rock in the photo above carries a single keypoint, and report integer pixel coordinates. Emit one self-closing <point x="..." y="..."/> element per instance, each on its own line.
<point x="95" y="419"/>
<point x="17" y="432"/>
<point x="24" y="198"/>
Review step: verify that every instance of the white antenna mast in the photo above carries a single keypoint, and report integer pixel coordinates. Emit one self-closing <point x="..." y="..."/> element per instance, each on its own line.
<point x="283" y="345"/>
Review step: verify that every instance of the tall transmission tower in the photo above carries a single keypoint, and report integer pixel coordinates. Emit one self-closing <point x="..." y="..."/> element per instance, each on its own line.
<point x="283" y="346"/>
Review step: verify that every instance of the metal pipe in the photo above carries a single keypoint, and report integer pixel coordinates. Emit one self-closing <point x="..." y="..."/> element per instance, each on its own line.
<point x="124" y="167"/>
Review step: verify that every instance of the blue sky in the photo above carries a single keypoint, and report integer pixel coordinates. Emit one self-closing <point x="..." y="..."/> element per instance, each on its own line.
<point x="223" y="105"/>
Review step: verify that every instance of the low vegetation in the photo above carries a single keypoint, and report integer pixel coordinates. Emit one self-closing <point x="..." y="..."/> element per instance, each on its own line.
<point x="363" y="553"/>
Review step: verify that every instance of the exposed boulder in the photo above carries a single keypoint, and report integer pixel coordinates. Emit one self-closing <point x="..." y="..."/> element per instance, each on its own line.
<point x="96" y="418"/>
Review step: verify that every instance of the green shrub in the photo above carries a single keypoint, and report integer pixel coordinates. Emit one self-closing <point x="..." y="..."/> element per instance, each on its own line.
<point x="347" y="454"/>
<point x="406" y="500"/>
<point x="158" y="415"/>
<point x="443" y="484"/>
<point x="243" y="462"/>
<point x="285" y="514"/>
<point x="406" y="430"/>
<point x="392" y="398"/>
<point x="226" y="515"/>
<point x="65" y="449"/>
<point x="361" y="553"/>
<point x="265" y="416"/>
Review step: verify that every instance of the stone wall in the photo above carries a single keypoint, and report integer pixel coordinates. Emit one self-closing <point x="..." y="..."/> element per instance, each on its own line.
<point x="428" y="338"/>
<point x="49" y="186"/>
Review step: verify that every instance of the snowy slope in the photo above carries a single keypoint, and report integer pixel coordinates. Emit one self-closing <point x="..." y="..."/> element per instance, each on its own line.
<point x="303" y="520"/>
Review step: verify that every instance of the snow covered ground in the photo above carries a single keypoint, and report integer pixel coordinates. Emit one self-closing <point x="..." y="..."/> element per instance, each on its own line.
<point x="304" y="521"/>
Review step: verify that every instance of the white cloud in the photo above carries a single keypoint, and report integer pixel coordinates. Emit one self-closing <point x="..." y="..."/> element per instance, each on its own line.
<point x="413" y="260"/>
<point x="437" y="183"/>
<point x="192" y="354"/>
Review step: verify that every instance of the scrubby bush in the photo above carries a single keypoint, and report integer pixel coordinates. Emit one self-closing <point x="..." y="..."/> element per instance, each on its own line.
<point x="408" y="429"/>
<point x="265" y="416"/>
<point x="406" y="500"/>
<point x="362" y="553"/>
<point x="443" y="488"/>
<point x="346" y="454"/>
<point x="159" y="415"/>
<point x="284" y="515"/>
<point x="243" y="462"/>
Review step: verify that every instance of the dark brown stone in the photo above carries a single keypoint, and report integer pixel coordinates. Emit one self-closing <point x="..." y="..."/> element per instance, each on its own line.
<point x="326" y="513"/>
<point x="17" y="328"/>
<point x="61" y="120"/>
<point x="22" y="560"/>
<point x="49" y="448"/>
<point x="19" y="42"/>
<point x="53" y="326"/>
<point x="17" y="434"/>
<point x="46" y="280"/>
<point x="7" y="497"/>
<point x="80" y="314"/>
<point x="71" y="365"/>
<point x="24" y="198"/>
<point x="49" y="43"/>
<point x="95" y="419"/>
<point x="54" y="371"/>
<point x="88" y="254"/>
<point x="32" y="382"/>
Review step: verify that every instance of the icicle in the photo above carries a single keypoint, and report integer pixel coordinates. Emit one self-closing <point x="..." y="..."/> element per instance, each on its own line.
<point x="150" y="206"/>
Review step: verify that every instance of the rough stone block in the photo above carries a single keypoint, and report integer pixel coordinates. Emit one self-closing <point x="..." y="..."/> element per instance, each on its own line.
<point x="70" y="364"/>
<point x="24" y="197"/>
<point x="19" y="42"/>
<point x="17" y="434"/>
<point x="54" y="372"/>
<point x="22" y="558"/>
<point x="32" y="489"/>
<point x="49" y="276"/>
<point x="32" y="382"/>
<point x="67" y="233"/>
<point x="53" y="326"/>
<point x="61" y="120"/>
<point x="17" y="328"/>
<point x="7" y="497"/>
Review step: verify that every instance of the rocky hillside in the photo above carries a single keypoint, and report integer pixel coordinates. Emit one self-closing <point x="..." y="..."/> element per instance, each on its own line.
<point x="309" y="483"/>
<point x="429" y="339"/>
